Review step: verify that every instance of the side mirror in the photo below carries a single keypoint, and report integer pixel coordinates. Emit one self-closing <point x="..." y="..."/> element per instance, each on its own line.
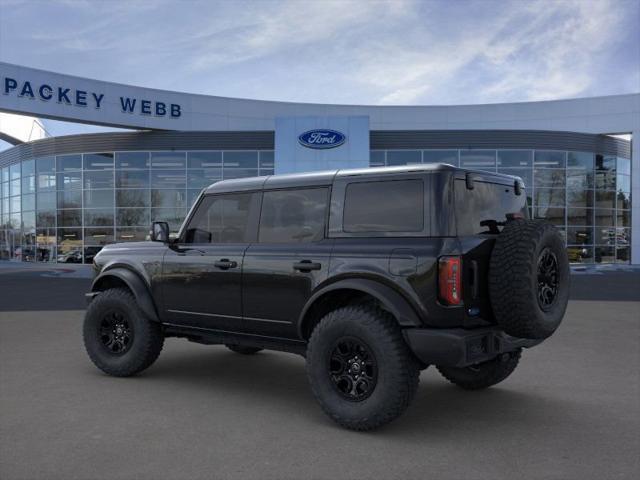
<point x="160" y="232"/>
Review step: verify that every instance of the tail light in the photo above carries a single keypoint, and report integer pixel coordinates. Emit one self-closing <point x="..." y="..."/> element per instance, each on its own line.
<point x="450" y="280"/>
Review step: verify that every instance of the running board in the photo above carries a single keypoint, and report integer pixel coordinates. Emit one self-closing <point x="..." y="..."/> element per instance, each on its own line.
<point x="208" y="336"/>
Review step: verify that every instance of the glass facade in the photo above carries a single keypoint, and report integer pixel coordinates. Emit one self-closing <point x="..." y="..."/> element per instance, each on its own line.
<point x="586" y="195"/>
<point x="65" y="208"/>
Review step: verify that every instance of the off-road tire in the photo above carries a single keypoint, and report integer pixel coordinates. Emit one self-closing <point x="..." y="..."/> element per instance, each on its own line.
<point x="484" y="374"/>
<point x="146" y="344"/>
<point x="244" y="350"/>
<point x="397" y="369"/>
<point x="514" y="278"/>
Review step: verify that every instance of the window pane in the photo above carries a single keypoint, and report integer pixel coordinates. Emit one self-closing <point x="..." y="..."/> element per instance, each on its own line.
<point x="554" y="215"/>
<point x="623" y="218"/>
<point x="168" y="179"/>
<point x="169" y="198"/>
<point x="98" y="236"/>
<point x="203" y="178"/>
<point x="221" y="219"/>
<point x="28" y="168"/>
<point x="579" y="216"/>
<point x="605" y="255"/>
<point x="292" y="216"/>
<point x="605" y="199"/>
<point x="204" y="159"/>
<point x="45" y="165"/>
<point x="580" y="235"/>
<point x="29" y="202"/>
<point x="605" y="163"/>
<point x="605" y="235"/>
<point x="623" y="200"/>
<point x="604" y="217"/>
<point x="4" y="177"/>
<point x="549" y="159"/>
<point x="28" y="184"/>
<point x="46" y="181"/>
<point x="403" y="157"/>
<point x="192" y="196"/>
<point x="578" y="178"/>
<point x="478" y="159"/>
<point x="14" y="204"/>
<point x="623" y="255"/>
<point x="549" y="178"/>
<point x="98" y="217"/>
<point x="240" y="159"/>
<point x="173" y="216"/>
<point x="70" y="218"/>
<point x="515" y="158"/>
<point x="402" y="208"/>
<point x="98" y="161"/>
<point x="14" y="187"/>
<point x="69" y="180"/>
<point x="98" y="179"/>
<point x="266" y="159"/>
<point x="623" y="166"/>
<point x="549" y="197"/>
<point x="440" y="156"/>
<point x="239" y="172"/>
<point x="69" y="162"/>
<point x="132" y="234"/>
<point x="46" y="219"/>
<point x="623" y="236"/>
<point x="376" y="158"/>
<point x="623" y="183"/>
<point x="132" y="159"/>
<point x="132" y="179"/>
<point x="580" y="254"/>
<point x="133" y="198"/>
<point x="70" y="199"/>
<point x="98" y="199"/>
<point x="582" y="160"/>
<point x="168" y="159"/>
<point x="580" y="198"/>
<point x="133" y="217"/>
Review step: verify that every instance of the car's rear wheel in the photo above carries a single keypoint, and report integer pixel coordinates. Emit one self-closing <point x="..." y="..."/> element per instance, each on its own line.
<point x="359" y="367"/>
<point x="244" y="350"/>
<point x="482" y="375"/>
<point x="118" y="337"/>
<point x="529" y="279"/>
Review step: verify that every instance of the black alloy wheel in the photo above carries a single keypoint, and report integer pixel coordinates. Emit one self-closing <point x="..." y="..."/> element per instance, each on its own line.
<point x="116" y="332"/>
<point x="353" y="369"/>
<point x="547" y="279"/>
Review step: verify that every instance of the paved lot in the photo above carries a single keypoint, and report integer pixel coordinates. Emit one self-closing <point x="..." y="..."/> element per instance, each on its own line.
<point x="571" y="410"/>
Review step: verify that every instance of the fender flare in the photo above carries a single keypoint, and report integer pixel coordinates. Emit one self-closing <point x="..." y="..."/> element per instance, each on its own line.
<point x="395" y="303"/>
<point x="137" y="286"/>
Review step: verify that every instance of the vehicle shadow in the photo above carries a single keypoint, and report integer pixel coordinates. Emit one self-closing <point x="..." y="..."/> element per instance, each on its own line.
<point x="280" y="380"/>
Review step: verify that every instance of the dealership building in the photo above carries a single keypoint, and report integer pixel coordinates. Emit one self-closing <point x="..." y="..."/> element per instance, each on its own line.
<point x="63" y="198"/>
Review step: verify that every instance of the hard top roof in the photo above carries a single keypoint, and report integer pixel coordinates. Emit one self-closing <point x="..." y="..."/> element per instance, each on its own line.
<point x="323" y="178"/>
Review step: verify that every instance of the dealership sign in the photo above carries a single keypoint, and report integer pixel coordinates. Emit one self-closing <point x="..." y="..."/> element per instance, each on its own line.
<point x="322" y="138"/>
<point x="68" y="95"/>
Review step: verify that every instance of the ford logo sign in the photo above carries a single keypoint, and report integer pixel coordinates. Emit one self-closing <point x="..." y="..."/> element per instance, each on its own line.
<point x="322" y="138"/>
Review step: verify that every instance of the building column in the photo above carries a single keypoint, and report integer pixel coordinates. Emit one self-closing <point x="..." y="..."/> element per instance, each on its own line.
<point x="635" y="197"/>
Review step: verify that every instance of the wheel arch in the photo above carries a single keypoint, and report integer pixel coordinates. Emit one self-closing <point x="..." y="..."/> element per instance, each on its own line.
<point x="352" y="290"/>
<point x="122" y="277"/>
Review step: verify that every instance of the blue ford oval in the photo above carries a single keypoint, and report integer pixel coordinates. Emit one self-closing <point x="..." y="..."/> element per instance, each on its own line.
<point x="322" y="138"/>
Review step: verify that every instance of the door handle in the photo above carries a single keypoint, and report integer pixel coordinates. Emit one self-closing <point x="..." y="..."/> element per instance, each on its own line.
<point x="306" y="266"/>
<point x="225" y="264"/>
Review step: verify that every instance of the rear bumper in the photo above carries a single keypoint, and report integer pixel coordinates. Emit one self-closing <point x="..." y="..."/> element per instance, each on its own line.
<point x="457" y="347"/>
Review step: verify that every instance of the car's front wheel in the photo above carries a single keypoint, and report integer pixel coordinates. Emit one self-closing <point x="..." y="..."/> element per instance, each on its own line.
<point x="360" y="369"/>
<point x="118" y="337"/>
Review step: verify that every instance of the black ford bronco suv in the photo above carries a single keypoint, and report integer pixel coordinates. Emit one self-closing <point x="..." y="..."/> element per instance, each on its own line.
<point x="371" y="274"/>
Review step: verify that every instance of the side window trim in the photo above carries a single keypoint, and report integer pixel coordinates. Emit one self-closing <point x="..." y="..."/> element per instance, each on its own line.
<point x="251" y="234"/>
<point x="327" y="209"/>
<point x="338" y="194"/>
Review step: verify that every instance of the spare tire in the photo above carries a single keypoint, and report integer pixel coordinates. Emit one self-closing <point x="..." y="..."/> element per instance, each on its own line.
<point x="529" y="279"/>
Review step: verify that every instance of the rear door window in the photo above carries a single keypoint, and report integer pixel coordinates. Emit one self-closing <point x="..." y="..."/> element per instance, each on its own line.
<point x="293" y="216"/>
<point x="384" y="206"/>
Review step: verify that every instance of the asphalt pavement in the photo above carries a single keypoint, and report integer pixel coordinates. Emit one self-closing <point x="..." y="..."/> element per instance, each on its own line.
<point x="570" y="411"/>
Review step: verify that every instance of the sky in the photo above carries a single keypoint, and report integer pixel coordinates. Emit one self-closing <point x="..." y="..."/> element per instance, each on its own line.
<point x="395" y="52"/>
